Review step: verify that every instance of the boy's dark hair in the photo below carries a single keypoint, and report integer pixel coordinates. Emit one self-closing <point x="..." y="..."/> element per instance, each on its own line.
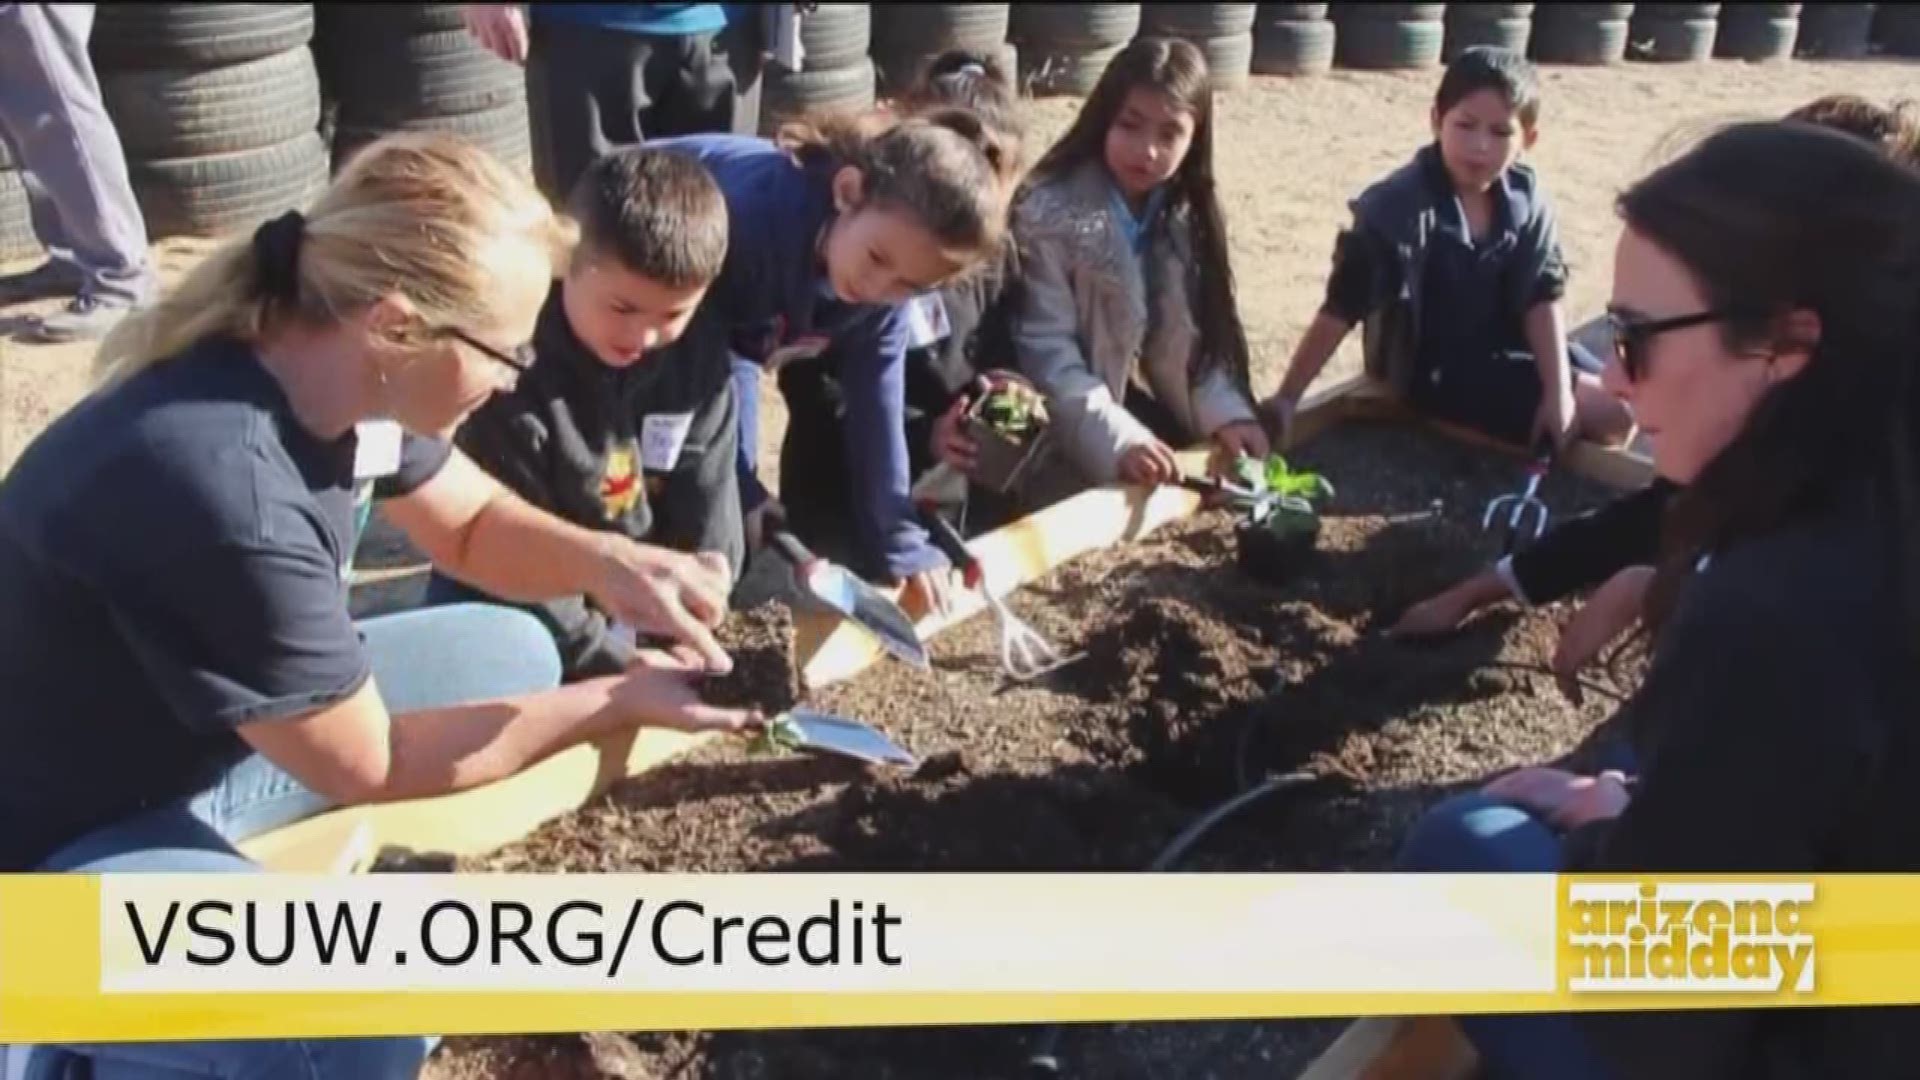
<point x="1488" y="67"/>
<point x="1178" y="69"/>
<point x="971" y="80"/>
<point x="656" y="212"/>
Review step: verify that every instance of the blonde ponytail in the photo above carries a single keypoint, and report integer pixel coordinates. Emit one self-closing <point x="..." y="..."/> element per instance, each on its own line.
<point x="421" y="214"/>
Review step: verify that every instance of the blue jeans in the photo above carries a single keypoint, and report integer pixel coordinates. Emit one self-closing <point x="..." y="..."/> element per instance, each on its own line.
<point x="1477" y="834"/>
<point x="427" y="658"/>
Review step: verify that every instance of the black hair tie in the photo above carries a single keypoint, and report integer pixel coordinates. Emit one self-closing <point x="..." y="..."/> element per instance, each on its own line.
<point x="276" y="256"/>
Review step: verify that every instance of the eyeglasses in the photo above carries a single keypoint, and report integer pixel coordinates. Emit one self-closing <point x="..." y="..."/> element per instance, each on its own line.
<point x="520" y="360"/>
<point x="1630" y="336"/>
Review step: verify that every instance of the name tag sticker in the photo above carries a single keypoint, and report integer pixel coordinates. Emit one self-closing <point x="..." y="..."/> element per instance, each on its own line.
<point x="661" y="438"/>
<point x="377" y="449"/>
<point x="926" y="321"/>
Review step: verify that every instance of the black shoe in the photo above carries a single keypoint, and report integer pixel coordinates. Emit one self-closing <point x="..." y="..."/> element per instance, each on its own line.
<point x="44" y="282"/>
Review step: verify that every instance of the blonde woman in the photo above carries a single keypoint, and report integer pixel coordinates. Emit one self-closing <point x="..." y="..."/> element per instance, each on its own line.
<point x="180" y="668"/>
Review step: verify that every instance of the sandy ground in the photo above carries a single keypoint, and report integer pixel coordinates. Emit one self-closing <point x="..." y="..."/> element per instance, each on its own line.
<point x="1290" y="155"/>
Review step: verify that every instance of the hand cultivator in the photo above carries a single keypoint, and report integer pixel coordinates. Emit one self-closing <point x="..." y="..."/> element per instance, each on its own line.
<point x="1024" y="654"/>
<point x="1523" y="506"/>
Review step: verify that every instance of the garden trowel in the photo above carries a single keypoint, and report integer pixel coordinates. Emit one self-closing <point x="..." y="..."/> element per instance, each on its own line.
<point x="853" y="598"/>
<point x="824" y="733"/>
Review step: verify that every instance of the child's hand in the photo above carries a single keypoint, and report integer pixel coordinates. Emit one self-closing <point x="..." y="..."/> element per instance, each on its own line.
<point x="950" y="442"/>
<point x="931" y="591"/>
<point x="1278" y="412"/>
<point x="1556" y="418"/>
<point x="770" y="515"/>
<point x="1564" y="799"/>
<point x="1149" y="463"/>
<point x="1235" y="441"/>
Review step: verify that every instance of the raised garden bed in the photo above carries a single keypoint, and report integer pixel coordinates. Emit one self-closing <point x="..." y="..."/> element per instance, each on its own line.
<point x="1196" y="683"/>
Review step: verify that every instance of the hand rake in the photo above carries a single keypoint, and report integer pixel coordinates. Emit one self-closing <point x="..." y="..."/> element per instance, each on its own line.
<point x="1024" y="654"/>
<point x="1524" y="506"/>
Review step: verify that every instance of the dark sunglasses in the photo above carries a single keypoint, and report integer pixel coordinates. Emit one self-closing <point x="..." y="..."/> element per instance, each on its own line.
<point x="1630" y="336"/>
<point x="520" y="360"/>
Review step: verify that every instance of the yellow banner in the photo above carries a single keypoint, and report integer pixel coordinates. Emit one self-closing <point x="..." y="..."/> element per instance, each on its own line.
<point x="163" y="957"/>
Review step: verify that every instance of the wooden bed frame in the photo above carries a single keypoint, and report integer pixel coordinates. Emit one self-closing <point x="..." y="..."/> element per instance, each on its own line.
<point x="828" y="651"/>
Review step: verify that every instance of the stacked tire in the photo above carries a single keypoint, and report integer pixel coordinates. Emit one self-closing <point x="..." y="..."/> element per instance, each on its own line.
<point x="17" y="240"/>
<point x="1065" y="48"/>
<point x="907" y="37"/>
<point x="414" y="67"/>
<point x="1223" y="31"/>
<point x="218" y="111"/>
<point x="1896" y="29"/>
<point x="835" y="75"/>
<point x="1292" y="39"/>
<point x="1581" y="34"/>
<point x="1836" y="32"/>
<point x="1389" y="37"/>
<point x="1678" y="33"/>
<point x="1503" y="26"/>
<point x="1758" y="32"/>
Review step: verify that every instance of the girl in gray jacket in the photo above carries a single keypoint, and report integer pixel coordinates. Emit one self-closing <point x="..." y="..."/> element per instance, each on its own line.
<point x="1126" y="316"/>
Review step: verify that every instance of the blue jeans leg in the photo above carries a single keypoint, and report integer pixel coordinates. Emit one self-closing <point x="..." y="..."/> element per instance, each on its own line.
<point x="174" y="840"/>
<point x="422" y="659"/>
<point x="1476" y="834"/>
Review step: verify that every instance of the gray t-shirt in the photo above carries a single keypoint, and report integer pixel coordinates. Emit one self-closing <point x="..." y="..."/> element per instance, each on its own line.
<point x="174" y="557"/>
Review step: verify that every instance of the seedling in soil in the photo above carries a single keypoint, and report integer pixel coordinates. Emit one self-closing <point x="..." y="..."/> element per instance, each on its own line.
<point x="1283" y="524"/>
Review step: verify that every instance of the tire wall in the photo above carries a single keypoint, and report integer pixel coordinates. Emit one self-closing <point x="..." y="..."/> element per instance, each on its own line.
<point x="218" y="111"/>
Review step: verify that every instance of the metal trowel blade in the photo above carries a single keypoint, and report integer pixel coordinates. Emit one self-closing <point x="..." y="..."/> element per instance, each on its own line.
<point x="824" y="733"/>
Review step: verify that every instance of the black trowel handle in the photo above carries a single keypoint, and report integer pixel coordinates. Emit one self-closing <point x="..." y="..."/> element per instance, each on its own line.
<point x="950" y="543"/>
<point x="792" y="550"/>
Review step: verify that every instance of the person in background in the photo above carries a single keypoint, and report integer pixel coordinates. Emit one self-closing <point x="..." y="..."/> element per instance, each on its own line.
<point x="58" y="133"/>
<point x="1126" y="318"/>
<point x="1611" y="550"/>
<point x="601" y="76"/>
<point x="179" y="663"/>
<point x="626" y="420"/>
<point x="1453" y="263"/>
<point x="834" y="228"/>
<point x="1770" y="346"/>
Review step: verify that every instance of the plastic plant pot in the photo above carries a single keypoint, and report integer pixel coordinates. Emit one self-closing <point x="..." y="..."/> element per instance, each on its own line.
<point x="1276" y="549"/>
<point x="1009" y="425"/>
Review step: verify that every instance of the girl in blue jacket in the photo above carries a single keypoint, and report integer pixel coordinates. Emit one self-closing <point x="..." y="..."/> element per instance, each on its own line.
<point x="833" y="230"/>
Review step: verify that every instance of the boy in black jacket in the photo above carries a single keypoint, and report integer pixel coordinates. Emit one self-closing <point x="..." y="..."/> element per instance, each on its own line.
<point x="625" y="422"/>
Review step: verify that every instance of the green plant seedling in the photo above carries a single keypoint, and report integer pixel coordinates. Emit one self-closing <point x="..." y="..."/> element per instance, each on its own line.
<point x="781" y="734"/>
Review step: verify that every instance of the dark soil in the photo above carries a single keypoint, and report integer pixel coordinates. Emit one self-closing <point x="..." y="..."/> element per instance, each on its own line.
<point x="1196" y="683"/>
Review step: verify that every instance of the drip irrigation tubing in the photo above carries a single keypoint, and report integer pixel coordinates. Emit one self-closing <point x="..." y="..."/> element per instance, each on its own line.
<point x="1045" y="1061"/>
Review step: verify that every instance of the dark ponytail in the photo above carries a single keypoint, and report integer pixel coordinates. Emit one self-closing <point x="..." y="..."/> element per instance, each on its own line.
<point x="978" y="83"/>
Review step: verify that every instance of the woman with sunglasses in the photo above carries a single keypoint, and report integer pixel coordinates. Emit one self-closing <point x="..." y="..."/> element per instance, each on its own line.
<point x="178" y="663"/>
<point x="1610" y="550"/>
<point x="1772" y="354"/>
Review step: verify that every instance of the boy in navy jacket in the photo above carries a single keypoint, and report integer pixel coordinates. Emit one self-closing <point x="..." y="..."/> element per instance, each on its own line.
<point x="626" y="421"/>
<point x="1453" y="264"/>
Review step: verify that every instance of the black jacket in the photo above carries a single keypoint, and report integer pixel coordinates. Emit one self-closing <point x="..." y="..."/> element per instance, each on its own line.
<point x="1775" y="734"/>
<point x="597" y="446"/>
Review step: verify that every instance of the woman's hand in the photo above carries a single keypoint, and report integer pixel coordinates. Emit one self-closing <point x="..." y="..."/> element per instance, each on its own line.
<point x="1607" y="614"/>
<point x="1235" y="441"/>
<point x="1277" y="412"/>
<point x="1566" y="800"/>
<point x="662" y="690"/>
<point x="950" y="442"/>
<point x="1149" y="463"/>
<point x="667" y="593"/>
<point x="501" y="29"/>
